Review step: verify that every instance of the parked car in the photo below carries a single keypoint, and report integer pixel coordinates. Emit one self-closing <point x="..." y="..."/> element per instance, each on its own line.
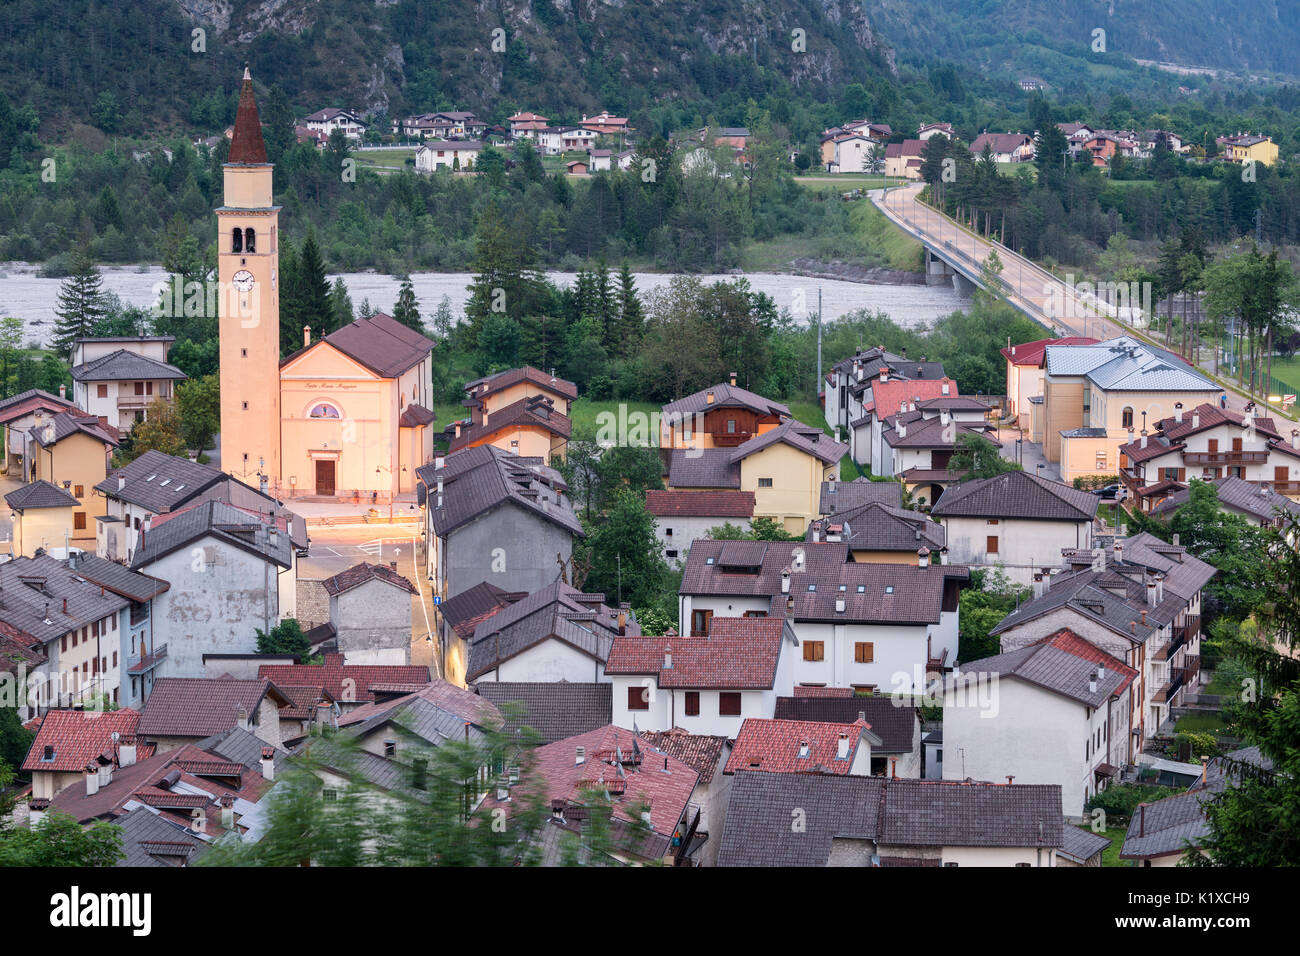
<point x="1111" y="493"/>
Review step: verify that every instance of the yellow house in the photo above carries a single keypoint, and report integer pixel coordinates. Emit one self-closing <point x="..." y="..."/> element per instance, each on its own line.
<point x="1096" y="396"/>
<point x="784" y="467"/>
<point x="42" y="515"/>
<point x="355" y="411"/>
<point x="71" y="450"/>
<point x="523" y="411"/>
<point x="1246" y="147"/>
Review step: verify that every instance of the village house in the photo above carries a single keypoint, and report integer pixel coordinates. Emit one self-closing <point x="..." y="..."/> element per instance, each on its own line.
<point x="1017" y="522"/>
<point x="1258" y="504"/>
<point x="349" y="685"/>
<point x="525" y="125"/>
<point x="896" y="726"/>
<point x="19" y="414"/>
<point x="456" y="155"/>
<point x="70" y="625"/>
<point x="927" y="131"/>
<point x="67" y="741"/>
<point x="523" y="411"/>
<point x="1005" y="147"/>
<point x="187" y="710"/>
<point x="1025" y="374"/>
<point x="599" y="160"/>
<point x="850" y="153"/>
<point x="42" y="515"/>
<point x="847" y="389"/>
<point x="194" y="793"/>
<point x="231" y="574"/>
<point x="606" y="124"/>
<point x="555" y="634"/>
<point x="331" y="118"/>
<point x="1161" y="832"/>
<point x="371" y="610"/>
<point x="655" y="787"/>
<point x="707" y="684"/>
<point x="706" y="754"/>
<point x="577" y="167"/>
<point x="903" y="160"/>
<point x="1248" y="147"/>
<point x="457" y="618"/>
<point x="1138" y="601"/>
<point x="848" y="820"/>
<point x="118" y="378"/>
<point x="1059" y="714"/>
<point x="493" y="516"/>
<point x="1209" y="443"/>
<point x="1094" y="394"/>
<point x="866" y="626"/>
<point x="72" y="450"/>
<point x="880" y="533"/>
<point x="683" y="516"/>
<point x="802" y="746"/>
<point x="160" y="484"/>
<point x="916" y="446"/>
<point x="141" y="652"/>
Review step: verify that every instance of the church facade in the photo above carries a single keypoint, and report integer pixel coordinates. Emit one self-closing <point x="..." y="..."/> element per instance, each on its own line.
<point x="347" y="416"/>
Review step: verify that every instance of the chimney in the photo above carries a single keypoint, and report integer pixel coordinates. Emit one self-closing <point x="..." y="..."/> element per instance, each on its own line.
<point x="1142" y="819"/>
<point x="1151" y="592"/>
<point x="1176" y="539"/>
<point x="708" y="399"/>
<point x="923" y="558"/>
<point x="884" y="375"/>
<point x="733" y="379"/>
<point x="121" y="483"/>
<point x="1196" y="419"/>
<point x="622" y="621"/>
<point x="580" y="756"/>
<point x="943" y="555"/>
<point x="227" y="811"/>
<point x="1092" y="689"/>
<point x="1144" y="617"/>
<point x="126" y="752"/>
<point x="458" y="429"/>
<point x="92" y="780"/>
<point x="945" y="388"/>
<point x="1160" y="588"/>
<point x="901" y="428"/>
<point x="1010" y="779"/>
<point x="1038" y="584"/>
<point x="1119" y="552"/>
<point x="63" y="392"/>
<point x="785" y="581"/>
<point x="893" y="768"/>
<point x="1205" y="766"/>
<point x="65" y="605"/>
<point x="1178" y="412"/>
<point x="832" y="477"/>
<point x="816" y="532"/>
<point x="668" y="657"/>
<point x="1295" y="438"/>
<point x="268" y="763"/>
<point x="306" y="336"/>
<point x="839" y="605"/>
<point x="105" y="773"/>
<point x="1144" y="437"/>
<point x="842" y="747"/>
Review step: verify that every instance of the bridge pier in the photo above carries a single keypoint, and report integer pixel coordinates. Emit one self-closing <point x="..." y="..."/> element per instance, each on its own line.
<point x="937" y="272"/>
<point x="963" y="286"/>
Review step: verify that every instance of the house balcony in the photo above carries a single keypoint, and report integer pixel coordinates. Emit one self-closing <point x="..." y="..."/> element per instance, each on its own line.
<point x="1189" y="628"/>
<point x="1187" y="673"/>
<point x="1132" y="482"/>
<point x="730" y="439"/>
<point x="1225" y="457"/>
<point x="147" y="662"/>
<point x="135" y="402"/>
<point x="1171" y="647"/>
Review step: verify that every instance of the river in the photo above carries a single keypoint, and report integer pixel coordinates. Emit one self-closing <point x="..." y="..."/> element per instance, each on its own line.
<point x="25" y="294"/>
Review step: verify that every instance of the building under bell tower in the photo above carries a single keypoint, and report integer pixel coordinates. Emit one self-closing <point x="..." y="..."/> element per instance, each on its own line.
<point x="249" y="305"/>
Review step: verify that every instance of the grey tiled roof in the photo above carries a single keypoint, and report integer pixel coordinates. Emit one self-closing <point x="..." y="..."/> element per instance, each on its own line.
<point x="29" y="400"/>
<point x="1240" y="495"/>
<point x="556" y="611"/>
<point x="555" y="709"/>
<point x="464" y="611"/>
<point x="894" y="724"/>
<point x="883" y="812"/>
<point x="34" y="591"/>
<point x="380" y="343"/>
<point x="478" y="480"/>
<point x="1080" y="845"/>
<point x="218" y="520"/>
<point x="846" y="495"/>
<point x="1053" y="669"/>
<point x="120" y="579"/>
<point x="202" y="707"/>
<point x="724" y="396"/>
<point x="160" y="482"/>
<point x="40" y="494"/>
<point x="1018" y="495"/>
<point x="703" y="468"/>
<point x="123" y="365"/>
<point x="876" y="527"/>
<point x="73" y="422"/>
<point x="804" y="438"/>
<point x="150" y="839"/>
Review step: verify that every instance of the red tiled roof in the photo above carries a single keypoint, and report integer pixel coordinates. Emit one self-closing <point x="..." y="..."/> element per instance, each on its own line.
<point x="776" y="746"/>
<point x="703" y="504"/>
<point x="1033" y="353"/>
<point x="740" y="653"/>
<point x="886" y="397"/>
<point x="345" y="682"/>
<point x="359" y="574"/>
<point x="700" y="752"/>
<point x="201" y="707"/>
<point x="78" y="737"/>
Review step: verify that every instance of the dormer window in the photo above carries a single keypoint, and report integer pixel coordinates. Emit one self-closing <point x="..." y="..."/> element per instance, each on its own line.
<point x="48" y="754"/>
<point x="862" y="589"/>
<point x="889" y="589"/>
<point x="390" y="748"/>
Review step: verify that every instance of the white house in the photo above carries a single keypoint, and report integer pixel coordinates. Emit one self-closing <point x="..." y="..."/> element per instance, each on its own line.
<point x="1017" y="521"/>
<point x="447" y="154"/>
<point x="683" y="516"/>
<point x="1056" y="711"/>
<point x="118" y="378"/>
<point x="328" y="120"/>
<point x="704" y="685"/>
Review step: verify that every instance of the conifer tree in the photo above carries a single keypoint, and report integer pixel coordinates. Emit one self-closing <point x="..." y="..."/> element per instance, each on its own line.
<point x="407" y="308"/>
<point x="80" y="303"/>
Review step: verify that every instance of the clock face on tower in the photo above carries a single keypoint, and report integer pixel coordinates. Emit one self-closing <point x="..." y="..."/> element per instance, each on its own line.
<point x="243" y="280"/>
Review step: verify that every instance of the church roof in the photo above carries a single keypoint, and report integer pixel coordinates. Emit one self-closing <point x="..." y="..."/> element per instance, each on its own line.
<point x="380" y="343"/>
<point x="246" y="145"/>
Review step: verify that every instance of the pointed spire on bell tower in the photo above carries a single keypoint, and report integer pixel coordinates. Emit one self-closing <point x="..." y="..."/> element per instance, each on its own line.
<point x="246" y="145"/>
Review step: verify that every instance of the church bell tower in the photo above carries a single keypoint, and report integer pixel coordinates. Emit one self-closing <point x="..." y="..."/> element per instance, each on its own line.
<point x="249" y="306"/>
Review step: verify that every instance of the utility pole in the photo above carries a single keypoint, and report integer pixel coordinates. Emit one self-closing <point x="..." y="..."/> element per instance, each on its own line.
<point x="819" y="339"/>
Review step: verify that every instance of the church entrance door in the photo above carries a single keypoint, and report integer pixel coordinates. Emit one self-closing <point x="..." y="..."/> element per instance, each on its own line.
<point x="325" y="477"/>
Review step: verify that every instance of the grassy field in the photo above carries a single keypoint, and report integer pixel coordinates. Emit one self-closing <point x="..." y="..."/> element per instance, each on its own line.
<point x="388" y="158"/>
<point x="1201" y="724"/>
<point x="1110" y="855"/>
<point x="900" y="250"/>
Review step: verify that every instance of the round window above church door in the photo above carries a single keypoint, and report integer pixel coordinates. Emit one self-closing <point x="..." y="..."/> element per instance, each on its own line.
<point x="324" y="410"/>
